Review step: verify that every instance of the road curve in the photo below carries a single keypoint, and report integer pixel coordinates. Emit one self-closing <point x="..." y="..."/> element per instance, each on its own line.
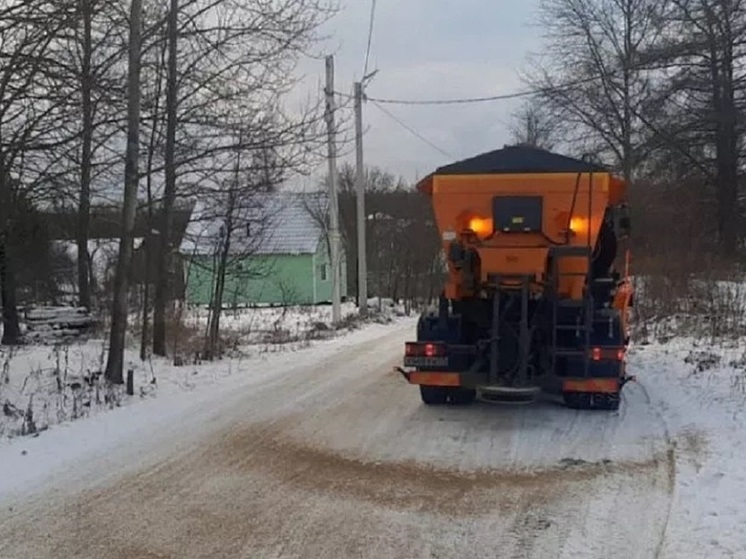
<point x="340" y="459"/>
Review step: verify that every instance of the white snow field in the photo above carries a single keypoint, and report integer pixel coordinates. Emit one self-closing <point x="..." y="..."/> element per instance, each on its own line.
<point x="326" y="452"/>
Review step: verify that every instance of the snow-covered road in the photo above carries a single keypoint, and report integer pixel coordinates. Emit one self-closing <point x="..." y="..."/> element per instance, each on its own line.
<point x="335" y="456"/>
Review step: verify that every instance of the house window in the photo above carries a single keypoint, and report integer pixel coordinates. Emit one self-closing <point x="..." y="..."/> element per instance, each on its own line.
<point x="323" y="272"/>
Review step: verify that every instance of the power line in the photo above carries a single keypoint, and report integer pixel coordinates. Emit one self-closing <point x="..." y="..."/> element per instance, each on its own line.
<point x="411" y="130"/>
<point x="370" y="36"/>
<point x="451" y="101"/>
<point x="486" y="99"/>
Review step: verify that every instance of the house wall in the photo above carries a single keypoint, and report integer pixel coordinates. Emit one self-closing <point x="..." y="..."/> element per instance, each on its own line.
<point x="302" y="279"/>
<point x="324" y="279"/>
<point x="276" y="279"/>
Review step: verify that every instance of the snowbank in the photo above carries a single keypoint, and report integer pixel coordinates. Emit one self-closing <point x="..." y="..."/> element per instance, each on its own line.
<point x="699" y="391"/>
<point x="57" y="381"/>
<point x="690" y="356"/>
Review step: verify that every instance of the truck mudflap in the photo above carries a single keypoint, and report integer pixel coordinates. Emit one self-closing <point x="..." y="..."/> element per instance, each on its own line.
<point x="455" y="379"/>
<point x="431" y="378"/>
<point x="599" y="385"/>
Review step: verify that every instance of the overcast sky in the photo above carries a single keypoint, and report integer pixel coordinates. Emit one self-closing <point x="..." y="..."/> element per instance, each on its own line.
<point x="432" y="49"/>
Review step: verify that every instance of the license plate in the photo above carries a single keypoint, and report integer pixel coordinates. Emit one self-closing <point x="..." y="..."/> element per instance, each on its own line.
<point x="426" y="361"/>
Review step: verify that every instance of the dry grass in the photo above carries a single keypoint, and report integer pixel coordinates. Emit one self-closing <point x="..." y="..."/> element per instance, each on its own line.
<point x="685" y="287"/>
<point x="707" y="306"/>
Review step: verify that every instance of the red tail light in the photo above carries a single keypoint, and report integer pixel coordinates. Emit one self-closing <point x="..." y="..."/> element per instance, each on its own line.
<point x="607" y="354"/>
<point x="427" y="349"/>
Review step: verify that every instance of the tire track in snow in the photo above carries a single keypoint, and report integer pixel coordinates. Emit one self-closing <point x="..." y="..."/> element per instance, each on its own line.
<point x="623" y="515"/>
<point x="671" y="466"/>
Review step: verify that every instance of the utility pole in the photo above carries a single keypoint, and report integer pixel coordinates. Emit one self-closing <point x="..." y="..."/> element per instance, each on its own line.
<point x="334" y="218"/>
<point x="362" y="265"/>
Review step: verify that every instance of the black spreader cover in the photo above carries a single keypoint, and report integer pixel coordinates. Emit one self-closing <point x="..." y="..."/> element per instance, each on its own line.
<point x="519" y="159"/>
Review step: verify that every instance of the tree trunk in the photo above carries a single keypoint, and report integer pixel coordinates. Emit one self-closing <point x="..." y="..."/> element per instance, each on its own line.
<point x="726" y="156"/>
<point x="145" y="317"/>
<point x="115" y="361"/>
<point x="214" y="331"/>
<point x="151" y="239"/>
<point x="11" y="326"/>
<point x="627" y="150"/>
<point x="212" y="349"/>
<point x="175" y="338"/>
<point x="84" y="204"/>
<point x="164" y="261"/>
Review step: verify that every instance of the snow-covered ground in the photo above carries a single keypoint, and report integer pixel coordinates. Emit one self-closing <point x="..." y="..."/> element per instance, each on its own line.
<point x="690" y="357"/>
<point x="44" y="384"/>
<point x="699" y="392"/>
<point x="323" y="451"/>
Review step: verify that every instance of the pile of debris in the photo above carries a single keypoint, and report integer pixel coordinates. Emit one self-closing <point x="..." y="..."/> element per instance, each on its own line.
<point x="57" y="323"/>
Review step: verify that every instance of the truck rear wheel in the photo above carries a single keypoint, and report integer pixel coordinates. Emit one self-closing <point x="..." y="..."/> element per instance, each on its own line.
<point x="607" y="401"/>
<point x="592" y="401"/>
<point x="578" y="400"/>
<point x="434" y="395"/>
<point x="463" y="396"/>
<point x="440" y="395"/>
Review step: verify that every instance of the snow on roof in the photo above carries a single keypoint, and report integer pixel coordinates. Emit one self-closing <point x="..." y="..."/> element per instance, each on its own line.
<point x="278" y="223"/>
<point x="519" y="159"/>
<point x="295" y="229"/>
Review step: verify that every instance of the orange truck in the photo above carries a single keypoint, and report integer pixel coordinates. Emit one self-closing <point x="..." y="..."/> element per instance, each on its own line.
<point x="538" y="293"/>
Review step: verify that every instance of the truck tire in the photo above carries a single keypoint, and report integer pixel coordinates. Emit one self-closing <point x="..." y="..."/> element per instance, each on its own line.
<point x="607" y="401"/>
<point x="592" y="401"/>
<point x="463" y="396"/>
<point x="434" y="395"/>
<point x="578" y="400"/>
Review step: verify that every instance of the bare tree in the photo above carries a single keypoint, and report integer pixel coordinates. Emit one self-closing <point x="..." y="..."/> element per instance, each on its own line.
<point x="238" y="220"/>
<point x="30" y="111"/>
<point x="703" y="55"/>
<point x="95" y="53"/>
<point x="84" y="207"/>
<point x="164" y="262"/>
<point x="534" y="126"/>
<point x="62" y="120"/>
<point x="115" y="361"/>
<point x="402" y="241"/>
<point x="595" y="77"/>
<point x="222" y="56"/>
<point x="154" y="68"/>
<point x="88" y="54"/>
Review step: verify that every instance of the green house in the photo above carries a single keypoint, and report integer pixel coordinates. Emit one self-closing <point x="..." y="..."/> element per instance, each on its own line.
<point x="278" y="254"/>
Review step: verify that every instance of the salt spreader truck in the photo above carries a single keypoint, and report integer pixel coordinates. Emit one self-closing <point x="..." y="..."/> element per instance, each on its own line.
<point x="537" y="295"/>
